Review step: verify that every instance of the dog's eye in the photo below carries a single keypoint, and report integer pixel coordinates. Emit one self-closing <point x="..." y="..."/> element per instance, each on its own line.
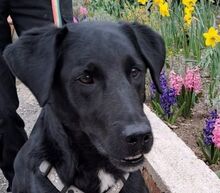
<point x="135" y="72"/>
<point x="86" y="79"/>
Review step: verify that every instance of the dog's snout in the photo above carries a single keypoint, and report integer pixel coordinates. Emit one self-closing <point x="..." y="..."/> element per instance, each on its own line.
<point x="137" y="134"/>
<point x="141" y="138"/>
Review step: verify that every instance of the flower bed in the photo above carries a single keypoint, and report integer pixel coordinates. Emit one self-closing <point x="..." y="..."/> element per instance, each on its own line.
<point x="172" y="167"/>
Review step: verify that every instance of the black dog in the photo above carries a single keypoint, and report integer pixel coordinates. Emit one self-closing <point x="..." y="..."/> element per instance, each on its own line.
<point x="92" y="132"/>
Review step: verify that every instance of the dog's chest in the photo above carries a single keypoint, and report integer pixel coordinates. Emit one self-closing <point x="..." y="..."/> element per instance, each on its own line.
<point x="106" y="180"/>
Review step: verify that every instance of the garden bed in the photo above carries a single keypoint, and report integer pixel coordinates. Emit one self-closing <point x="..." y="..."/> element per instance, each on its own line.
<point x="172" y="167"/>
<point x="189" y="130"/>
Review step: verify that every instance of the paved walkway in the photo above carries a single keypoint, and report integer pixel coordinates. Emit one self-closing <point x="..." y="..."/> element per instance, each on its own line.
<point x="29" y="111"/>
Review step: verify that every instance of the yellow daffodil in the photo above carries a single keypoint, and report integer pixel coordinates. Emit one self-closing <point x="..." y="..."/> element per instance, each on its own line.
<point x="189" y="3"/>
<point x="158" y="2"/>
<point x="164" y="9"/>
<point x="211" y="37"/>
<point x="143" y="2"/>
<point x="188" y="19"/>
<point x="188" y="10"/>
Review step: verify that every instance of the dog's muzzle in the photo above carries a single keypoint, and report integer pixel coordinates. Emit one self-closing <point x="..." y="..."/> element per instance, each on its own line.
<point x="138" y="137"/>
<point x="134" y="141"/>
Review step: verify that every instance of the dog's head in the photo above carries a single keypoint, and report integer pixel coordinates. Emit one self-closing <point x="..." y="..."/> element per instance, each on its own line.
<point x="93" y="76"/>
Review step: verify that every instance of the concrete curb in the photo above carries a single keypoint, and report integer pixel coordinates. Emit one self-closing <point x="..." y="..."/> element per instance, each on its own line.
<point x="173" y="165"/>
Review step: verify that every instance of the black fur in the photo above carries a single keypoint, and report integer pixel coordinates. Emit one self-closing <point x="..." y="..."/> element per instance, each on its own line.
<point x="90" y="80"/>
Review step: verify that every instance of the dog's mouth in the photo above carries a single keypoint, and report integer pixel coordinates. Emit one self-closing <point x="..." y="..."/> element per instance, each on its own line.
<point x="129" y="164"/>
<point x="133" y="159"/>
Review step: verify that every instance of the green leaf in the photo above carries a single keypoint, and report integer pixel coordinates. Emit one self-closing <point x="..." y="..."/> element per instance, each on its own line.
<point x="216" y="155"/>
<point x="158" y="108"/>
<point x="178" y="113"/>
<point x="206" y="150"/>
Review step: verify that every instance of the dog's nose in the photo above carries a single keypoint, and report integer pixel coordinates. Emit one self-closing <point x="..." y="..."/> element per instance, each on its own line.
<point x="138" y="135"/>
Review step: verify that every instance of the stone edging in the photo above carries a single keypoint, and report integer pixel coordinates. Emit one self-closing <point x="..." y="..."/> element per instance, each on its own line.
<point x="172" y="164"/>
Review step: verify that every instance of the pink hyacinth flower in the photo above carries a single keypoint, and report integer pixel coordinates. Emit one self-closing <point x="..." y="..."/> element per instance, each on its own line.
<point x="216" y="133"/>
<point x="83" y="11"/>
<point x="193" y="80"/>
<point x="176" y="82"/>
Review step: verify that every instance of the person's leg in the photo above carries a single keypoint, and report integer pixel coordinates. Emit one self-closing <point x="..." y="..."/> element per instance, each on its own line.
<point x="25" y="15"/>
<point x="12" y="135"/>
<point x="12" y="131"/>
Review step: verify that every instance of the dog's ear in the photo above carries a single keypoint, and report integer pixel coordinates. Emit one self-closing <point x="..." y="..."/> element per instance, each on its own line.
<point x="33" y="57"/>
<point x="151" y="47"/>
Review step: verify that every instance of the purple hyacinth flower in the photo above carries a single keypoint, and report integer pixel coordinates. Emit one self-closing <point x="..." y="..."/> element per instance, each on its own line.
<point x="163" y="80"/>
<point x="153" y="89"/>
<point x="209" y="126"/>
<point x="167" y="98"/>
